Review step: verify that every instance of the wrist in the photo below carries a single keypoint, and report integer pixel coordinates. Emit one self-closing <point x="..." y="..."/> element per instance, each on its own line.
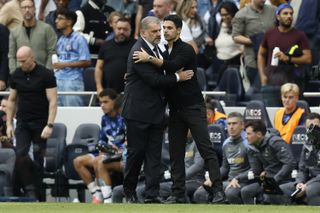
<point x="150" y="58"/>
<point x="50" y="125"/>
<point x="289" y="59"/>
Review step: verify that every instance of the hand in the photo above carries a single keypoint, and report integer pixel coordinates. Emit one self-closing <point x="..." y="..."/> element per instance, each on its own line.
<point x="140" y="56"/>
<point x="282" y="57"/>
<point x="207" y="182"/>
<point x="46" y="132"/>
<point x="263" y="80"/>
<point x="263" y="174"/>
<point x="185" y="75"/>
<point x="303" y="189"/>
<point x="234" y="183"/>
<point x="2" y="85"/>
<point x="10" y="132"/>
<point x="208" y="41"/>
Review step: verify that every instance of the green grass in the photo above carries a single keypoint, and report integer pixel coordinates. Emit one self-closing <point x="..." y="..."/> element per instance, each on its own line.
<point x="143" y="208"/>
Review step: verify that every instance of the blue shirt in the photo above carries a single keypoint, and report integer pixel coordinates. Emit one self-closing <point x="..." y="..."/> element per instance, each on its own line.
<point x="113" y="131"/>
<point x="70" y="48"/>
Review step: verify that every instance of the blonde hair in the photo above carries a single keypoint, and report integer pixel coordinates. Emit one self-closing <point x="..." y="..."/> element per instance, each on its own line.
<point x="114" y="14"/>
<point x="184" y="9"/>
<point x="290" y="87"/>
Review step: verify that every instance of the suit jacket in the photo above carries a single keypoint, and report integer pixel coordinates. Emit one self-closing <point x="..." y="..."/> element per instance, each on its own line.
<point x="144" y="99"/>
<point x="186" y="93"/>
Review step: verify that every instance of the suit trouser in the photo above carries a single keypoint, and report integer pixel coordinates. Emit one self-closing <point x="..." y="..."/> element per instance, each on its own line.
<point x="194" y="118"/>
<point x="27" y="172"/>
<point x="144" y="146"/>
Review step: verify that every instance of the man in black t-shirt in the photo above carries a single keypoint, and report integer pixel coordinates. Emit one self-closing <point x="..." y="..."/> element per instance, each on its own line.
<point x="112" y="60"/>
<point x="36" y="89"/>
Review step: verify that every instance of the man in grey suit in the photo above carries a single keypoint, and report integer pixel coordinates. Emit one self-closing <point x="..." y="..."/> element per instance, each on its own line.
<point x="143" y="110"/>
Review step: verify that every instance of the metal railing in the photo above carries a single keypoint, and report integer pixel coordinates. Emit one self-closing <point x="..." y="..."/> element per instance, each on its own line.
<point x="94" y="93"/>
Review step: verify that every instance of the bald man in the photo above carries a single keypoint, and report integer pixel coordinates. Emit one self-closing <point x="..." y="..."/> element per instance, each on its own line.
<point x="35" y="87"/>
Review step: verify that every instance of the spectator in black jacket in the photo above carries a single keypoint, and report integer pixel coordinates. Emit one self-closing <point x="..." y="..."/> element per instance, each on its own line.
<point x="270" y="157"/>
<point x="308" y="179"/>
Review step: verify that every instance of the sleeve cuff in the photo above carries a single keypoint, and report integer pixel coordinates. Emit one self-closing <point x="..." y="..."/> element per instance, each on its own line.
<point x="177" y="76"/>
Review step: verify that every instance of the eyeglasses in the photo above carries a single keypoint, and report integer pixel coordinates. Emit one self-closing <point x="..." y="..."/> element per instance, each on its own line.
<point x="27" y="7"/>
<point x="224" y="14"/>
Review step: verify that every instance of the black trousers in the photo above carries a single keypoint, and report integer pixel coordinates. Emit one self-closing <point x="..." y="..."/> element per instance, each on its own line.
<point x="29" y="172"/>
<point x="194" y="118"/>
<point x="144" y="146"/>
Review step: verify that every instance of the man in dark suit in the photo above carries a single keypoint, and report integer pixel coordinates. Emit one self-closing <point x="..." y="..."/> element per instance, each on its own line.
<point x="187" y="111"/>
<point x="143" y="110"/>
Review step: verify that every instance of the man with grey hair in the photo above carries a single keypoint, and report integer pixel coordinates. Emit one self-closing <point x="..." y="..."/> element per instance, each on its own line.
<point x="143" y="110"/>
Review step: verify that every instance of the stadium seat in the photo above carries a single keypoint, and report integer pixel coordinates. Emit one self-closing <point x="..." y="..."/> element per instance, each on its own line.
<point x="304" y="105"/>
<point x="86" y="134"/>
<point x="201" y="77"/>
<point x="217" y="136"/>
<point x="256" y="110"/>
<point x="218" y="105"/>
<point x="298" y="138"/>
<point x="53" y="161"/>
<point x="231" y="83"/>
<point x="89" y="83"/>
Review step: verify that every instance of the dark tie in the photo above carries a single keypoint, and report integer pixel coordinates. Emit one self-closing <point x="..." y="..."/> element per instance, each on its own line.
<point x="155" y="50"/>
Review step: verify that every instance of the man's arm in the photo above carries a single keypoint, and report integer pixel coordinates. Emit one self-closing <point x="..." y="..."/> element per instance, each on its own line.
<point x="284" y="155"/>
<point x="51" y="94"/>
<point x="262" y="65"/>
<point x="11" y="110"/>
<point x="305" y="58"/>
<point x="51" y="45"/>
<point x="98" y="75"/>
<point x="240" y="39"/>
<point x="12" y="53"/>
<point x="42" y="9"/>
<point x="138" y="20"/>
<point x="79" y="27"/>
<point x="72" y="64"/>
<point x="185" y="54"/>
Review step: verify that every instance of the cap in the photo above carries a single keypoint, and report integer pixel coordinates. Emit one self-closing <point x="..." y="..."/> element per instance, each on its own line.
<point x="282" y="6"/>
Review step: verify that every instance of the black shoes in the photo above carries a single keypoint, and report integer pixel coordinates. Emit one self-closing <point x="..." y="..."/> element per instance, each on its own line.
<point x="174" y="200"/>
<point x="131" y="198"/>
<point x="218" y="198"/>
<point x="153" y="200"/>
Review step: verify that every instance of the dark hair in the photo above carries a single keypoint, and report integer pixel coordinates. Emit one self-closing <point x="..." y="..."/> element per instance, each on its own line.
<point x="257" y="126"/>
<point x="211" y="105"/>
<point x="175" y="19"/>
<point x="70" y="15"/>
<point x="111" y="93"/>
<point x="231" y="9"/>
<point x="235" y="115"/>
<point x="312" y="116"/>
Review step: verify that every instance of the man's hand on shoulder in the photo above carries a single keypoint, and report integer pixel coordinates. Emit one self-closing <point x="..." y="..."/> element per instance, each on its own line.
<point x="185" y="75"/>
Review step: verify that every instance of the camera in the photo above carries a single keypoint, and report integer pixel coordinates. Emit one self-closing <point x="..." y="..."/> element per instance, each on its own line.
<point x="313" y="134"/>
